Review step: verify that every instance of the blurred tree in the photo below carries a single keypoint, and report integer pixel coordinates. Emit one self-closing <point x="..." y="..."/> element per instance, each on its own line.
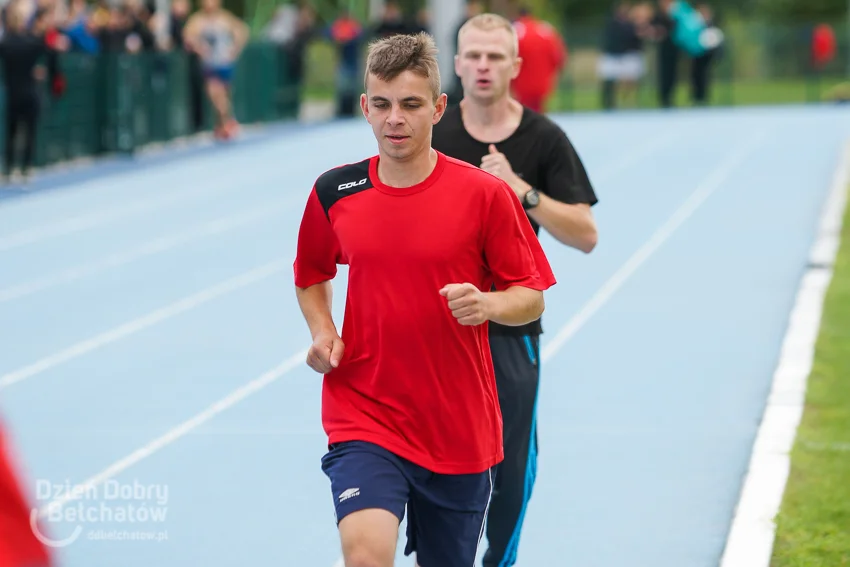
<point x="803" y="10"/>
<point x="409" y="7"/>
<point x="235" y="6"/>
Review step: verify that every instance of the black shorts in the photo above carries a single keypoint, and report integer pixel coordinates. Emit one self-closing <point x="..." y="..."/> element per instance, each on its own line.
<point x="516" y="360"/>
<point x="446" y="513"/>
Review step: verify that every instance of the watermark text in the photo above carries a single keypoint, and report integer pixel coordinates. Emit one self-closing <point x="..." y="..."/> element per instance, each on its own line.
<point x="111" y="511"/>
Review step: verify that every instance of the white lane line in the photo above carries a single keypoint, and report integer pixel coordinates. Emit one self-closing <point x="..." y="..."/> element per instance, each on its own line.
<point x="172" y="435"/>
<point x="753" y="531"/>
<point x="141" y="323"/>
<point x="637" y="156"/>
<point x="714" y="181"/>
<point x="186" y="182"/>
<point x="104" y="216"/>
<point x="149" y="248"/>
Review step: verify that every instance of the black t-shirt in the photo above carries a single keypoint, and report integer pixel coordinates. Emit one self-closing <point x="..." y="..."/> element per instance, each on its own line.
<point x="19" y="54"/>
<point x="617" y="37"/>
<point x="664" y="23"/>
<point x="539" y="152"/>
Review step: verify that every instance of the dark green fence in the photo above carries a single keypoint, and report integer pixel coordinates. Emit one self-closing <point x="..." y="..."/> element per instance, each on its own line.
<point x="117" y="103"/>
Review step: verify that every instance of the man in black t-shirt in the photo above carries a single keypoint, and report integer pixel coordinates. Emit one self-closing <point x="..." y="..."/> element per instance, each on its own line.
<point x="533" y="155"/>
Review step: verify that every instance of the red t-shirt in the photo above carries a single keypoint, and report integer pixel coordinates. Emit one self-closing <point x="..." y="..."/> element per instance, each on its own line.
<point x="543" y="55"/>
<point x="412" y="379"/>
<point x="18" y="544"/>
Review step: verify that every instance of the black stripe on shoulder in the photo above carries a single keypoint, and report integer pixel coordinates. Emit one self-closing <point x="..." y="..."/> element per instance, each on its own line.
<point x="342" y="182"/>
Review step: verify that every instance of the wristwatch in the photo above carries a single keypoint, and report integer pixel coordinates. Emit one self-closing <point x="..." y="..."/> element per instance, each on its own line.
<point x="530" y="199"/>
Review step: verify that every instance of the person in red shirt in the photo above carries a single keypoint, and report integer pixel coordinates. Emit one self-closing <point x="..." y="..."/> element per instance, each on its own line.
<point x="19" y="546"/>
<point x="543" y="54"/>
<point x="823" y="45"/>
<point x="436" y="248"/>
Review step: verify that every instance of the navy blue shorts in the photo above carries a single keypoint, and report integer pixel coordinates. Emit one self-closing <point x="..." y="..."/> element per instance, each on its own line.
<point x="223" y="74"/>
<point x="445" y="513"/>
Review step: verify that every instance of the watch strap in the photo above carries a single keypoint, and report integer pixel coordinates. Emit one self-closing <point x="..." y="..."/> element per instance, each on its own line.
<point x="526" y="204"/>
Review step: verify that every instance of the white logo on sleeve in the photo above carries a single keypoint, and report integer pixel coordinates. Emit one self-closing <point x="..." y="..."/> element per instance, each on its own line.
<point x="350" y="493"/>
<point x="351" y="184"/>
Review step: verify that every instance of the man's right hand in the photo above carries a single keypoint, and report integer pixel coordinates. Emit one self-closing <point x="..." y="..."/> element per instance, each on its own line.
<point x="325" y="353"/>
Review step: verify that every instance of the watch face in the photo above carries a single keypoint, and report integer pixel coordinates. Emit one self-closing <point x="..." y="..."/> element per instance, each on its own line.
<point x="532" y="198"/>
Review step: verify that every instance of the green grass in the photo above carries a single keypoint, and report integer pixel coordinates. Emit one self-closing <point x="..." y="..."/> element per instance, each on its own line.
<point x="723" y="93"/>
<point x="813" y="526"/>
<point x="739" y="93"/>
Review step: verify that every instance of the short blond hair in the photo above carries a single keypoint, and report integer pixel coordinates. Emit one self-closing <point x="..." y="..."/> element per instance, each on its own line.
<point x="390" y="57"/>
<point x="16" y="15"/>
<point x="490" y="22"/>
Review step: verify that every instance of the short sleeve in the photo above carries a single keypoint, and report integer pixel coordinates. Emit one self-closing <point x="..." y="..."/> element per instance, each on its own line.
<point x="565" y="176"/>
<point x="512" y="251"/>
<point x="318" y="251"/>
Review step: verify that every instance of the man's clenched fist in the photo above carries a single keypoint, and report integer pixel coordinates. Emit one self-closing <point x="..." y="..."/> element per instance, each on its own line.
<point x="468" y="304"/>
<point x="325" y="353"/>
<point x="497" y="164"/>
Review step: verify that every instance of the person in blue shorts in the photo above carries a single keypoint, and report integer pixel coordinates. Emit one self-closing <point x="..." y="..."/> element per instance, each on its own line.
<point x="218" y="37"/>
<point x="436" y="248"/>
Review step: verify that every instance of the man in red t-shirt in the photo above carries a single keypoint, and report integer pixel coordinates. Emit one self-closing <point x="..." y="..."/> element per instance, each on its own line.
<point x="409" y="401"/>
<point x="543" y="55"/>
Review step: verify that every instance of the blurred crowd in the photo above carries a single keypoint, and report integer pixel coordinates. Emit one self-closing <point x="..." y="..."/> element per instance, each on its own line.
<point x="129" y="26"/>
<point x="544" y="51"/>
<point x="34" y="32"/>
<point x="294" y="26"/>
<point x="680" y="31"/>
<point x="685" y="36"/>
